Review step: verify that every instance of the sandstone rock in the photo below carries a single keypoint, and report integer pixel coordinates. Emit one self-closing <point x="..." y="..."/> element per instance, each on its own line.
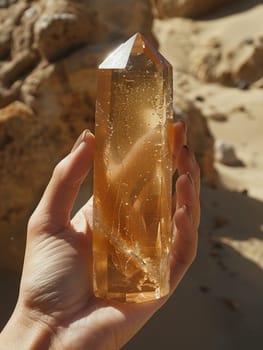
<point x="200" y="139"/>
<point x="29" y="149"/>
<point x="48" y="62"/>
<point x="258" y="84"/>
<point x="225" y="153"/>
<point x="63" y="27"/>
<point x="218" y="117"/>
<point x="16" y="125"/>
<point x="185" y="8"/>
<point x="9" y="16"/>
<point x="240" y="66"/>
<point x="35" y="31"/>
<point x="62" y="97"/>
<point x="23" y="32"/>
<point x="13" y="70"/>
<point x="8" y="95"/>
<point x="16" y="60"/>
<point x="6" y="3"/>
<point x="239" y="62"/>
<point x="67" y="87"/>
<point x="5" y="42"/>
<point x="123" y="19"/>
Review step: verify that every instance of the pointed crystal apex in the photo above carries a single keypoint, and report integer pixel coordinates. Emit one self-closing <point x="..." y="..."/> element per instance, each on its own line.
<point x="139" y="44"/>
<point x="121" y="58"/>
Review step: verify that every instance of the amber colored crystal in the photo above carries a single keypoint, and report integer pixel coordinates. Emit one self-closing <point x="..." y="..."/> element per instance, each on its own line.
<point x="133" y="174"/>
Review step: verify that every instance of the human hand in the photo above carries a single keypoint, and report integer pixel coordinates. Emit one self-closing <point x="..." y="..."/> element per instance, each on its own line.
<point x="56" y="308"/>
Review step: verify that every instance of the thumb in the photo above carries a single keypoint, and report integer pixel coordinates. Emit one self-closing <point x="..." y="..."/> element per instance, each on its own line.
<point x="59" y="197"/>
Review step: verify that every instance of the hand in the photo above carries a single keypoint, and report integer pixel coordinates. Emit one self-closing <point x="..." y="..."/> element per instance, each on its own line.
<point x="56" y="308"/>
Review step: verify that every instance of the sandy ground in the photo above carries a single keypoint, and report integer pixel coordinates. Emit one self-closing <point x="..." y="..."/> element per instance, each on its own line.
<point x="219" y="303"/>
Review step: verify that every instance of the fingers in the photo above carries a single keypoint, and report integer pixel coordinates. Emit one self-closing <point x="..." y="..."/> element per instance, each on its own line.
<point x="58" y="199"/>
<point x="187" y="216"/>
<point x="186" y="163"/>
<point x="184" y="246"/>
<point x="87" y="212"/>
<point x="187" y="196"/>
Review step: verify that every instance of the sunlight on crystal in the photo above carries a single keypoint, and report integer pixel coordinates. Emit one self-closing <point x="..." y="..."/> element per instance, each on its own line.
<point x="133" y="174"/>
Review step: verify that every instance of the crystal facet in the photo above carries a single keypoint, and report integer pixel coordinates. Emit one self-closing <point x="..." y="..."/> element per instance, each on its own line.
<point x="133" y="174"/>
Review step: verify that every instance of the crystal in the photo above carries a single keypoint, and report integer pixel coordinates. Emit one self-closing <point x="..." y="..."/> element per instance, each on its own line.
<point x="133" y="174"/>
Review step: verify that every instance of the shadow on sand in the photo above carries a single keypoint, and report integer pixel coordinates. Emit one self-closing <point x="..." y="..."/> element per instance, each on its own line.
<point x="219" y="303"/>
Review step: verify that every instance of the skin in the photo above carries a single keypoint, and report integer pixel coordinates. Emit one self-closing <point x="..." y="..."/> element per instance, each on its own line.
<point x="56" y="308"/>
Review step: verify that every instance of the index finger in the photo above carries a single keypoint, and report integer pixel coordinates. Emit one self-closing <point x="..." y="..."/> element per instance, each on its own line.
<point x="56" y="204"/>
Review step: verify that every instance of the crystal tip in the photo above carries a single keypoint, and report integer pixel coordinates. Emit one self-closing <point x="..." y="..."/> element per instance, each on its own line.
<point x="134" y="46"/>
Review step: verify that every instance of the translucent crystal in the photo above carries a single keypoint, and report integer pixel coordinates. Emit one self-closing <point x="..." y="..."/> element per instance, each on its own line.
<point x="133" y="174"/>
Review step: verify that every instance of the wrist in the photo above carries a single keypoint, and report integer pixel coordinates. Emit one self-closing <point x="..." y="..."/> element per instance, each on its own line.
<point x="25" y="333"/>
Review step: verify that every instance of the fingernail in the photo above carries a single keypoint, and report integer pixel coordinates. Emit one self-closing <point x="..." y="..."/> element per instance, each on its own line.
<point x="186" y="147"/>
<point x="183" y="124"/>
<point x="184" y="207"/>
<point x="80" y="139"/>
<point x="190" y="177"/>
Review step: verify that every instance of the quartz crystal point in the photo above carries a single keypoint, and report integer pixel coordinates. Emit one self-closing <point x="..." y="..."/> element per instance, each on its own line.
<point x="133" y="174"/>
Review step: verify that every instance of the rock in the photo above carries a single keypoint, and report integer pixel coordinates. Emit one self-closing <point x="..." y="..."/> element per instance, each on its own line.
<point x="22" y="63"/>
<point x="63" y="27"/>
<point x="239" y="62"/>
<point x="68" y="87"/>
<point x="225" y="153"/>
<point x="8" y="95"/>
<point x="49" y="51"/>
<point x="7" y="3"/>
<point x="199" y="98"/>
<point x="242" y="84"/>
<point x="186" y="8"/>
<point x="17" y="180"/>
<point x="258" y="84"/>
<point x="48" y="62"/>
<point x="29" y="152"/>
<point x="50" y="30"/>
<point x="239" y="109"/>
<point x="23" y="33"/>
<point x="123" y="19"/>
<point x="9" y="16"/>
<point x="29" y="149"/>
<point x="218" y="117"/>
<point x="5" y="43"/>
<point x="200" y="139"/>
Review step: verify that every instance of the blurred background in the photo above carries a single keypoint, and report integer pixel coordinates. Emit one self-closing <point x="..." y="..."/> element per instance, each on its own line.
<point x="49" y="51"/>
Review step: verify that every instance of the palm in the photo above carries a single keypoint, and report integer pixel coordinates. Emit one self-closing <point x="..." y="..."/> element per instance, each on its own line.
<point x="60" y="264"/>
<point x="63" y="265"/>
